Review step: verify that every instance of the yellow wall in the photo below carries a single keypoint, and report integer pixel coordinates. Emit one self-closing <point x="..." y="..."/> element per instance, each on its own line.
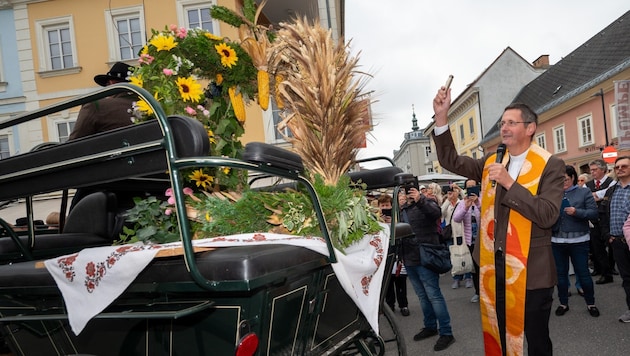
<point x="90" y="34"/>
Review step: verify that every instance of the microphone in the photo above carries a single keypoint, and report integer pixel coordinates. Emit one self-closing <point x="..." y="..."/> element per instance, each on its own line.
<point x="500" y="154"/>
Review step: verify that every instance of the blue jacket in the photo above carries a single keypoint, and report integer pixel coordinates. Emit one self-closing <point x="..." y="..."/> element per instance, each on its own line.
<point x="585" y="208"/>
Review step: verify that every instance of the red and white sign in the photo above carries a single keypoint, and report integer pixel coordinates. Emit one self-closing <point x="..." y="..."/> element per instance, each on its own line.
<point x="622" y="106"/>
<point x="609" y="154"/>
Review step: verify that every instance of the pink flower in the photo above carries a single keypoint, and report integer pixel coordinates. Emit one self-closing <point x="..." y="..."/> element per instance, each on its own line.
<point x="168" y="212"/>
<point x="190" y="111"/>
<point x="173" y="27"/>
<point x="182" y="32"/>
<point x="188" y="191"/>
<point x="206" y="113"/>
<point x="171" y="200"/>
<point x="167" y="72"/>
<point x="146" y="59"/>
<point x="169" y="192"/>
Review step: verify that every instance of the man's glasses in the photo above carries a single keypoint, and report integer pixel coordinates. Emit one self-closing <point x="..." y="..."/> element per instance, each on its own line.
<point x="511" y="123"/>
<point x="623" y="166"/>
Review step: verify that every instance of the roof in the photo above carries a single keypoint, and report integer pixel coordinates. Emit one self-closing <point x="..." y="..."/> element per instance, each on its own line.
<point x="598" y="59"/>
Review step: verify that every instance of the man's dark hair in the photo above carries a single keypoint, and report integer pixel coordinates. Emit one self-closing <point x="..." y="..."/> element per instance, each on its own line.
<point x="527" y="114"/>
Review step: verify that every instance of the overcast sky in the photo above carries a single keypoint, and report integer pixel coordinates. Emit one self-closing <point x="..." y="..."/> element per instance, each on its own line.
<point x="411" y="46"/>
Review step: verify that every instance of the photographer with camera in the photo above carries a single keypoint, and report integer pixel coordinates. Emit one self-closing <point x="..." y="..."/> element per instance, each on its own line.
<point x="423" y="214"/>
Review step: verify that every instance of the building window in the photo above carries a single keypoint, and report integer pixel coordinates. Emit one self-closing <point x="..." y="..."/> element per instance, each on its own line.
<point x="585" y="131"/>
<point x="56" y="43"/>
<point x="541" y="140"/>
<point x="427" y="151"/>
<point x="472" y="126"/>
<point x="430" y="170"/>
<point x="461" y="132"/>
<point x="474" y="154"/>
<point x="196" y="14"/>
<point x="271" y="119"/>
<point x="64" y="129"/>
<point x="559" y="139"/>
<point x="4" y="147"/>
<point x="125" y="32"/>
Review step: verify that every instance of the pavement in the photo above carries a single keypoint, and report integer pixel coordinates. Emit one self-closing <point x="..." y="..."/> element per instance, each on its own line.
<point x="575" y="333"/>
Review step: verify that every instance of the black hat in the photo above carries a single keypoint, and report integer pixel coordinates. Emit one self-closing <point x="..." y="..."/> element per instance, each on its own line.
<point x="119" y="72"/>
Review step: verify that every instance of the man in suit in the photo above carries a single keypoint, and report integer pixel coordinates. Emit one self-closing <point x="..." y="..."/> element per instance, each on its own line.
<point x="601" y="254"/>
<point x="521" y="196"/>
<point x="109" y="113"/>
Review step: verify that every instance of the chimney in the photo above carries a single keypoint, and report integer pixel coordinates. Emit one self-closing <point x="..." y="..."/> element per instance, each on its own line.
<point x="542" y="62"/>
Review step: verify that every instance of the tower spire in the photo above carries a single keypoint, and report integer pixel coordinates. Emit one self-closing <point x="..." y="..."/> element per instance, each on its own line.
<point x="414" y="121"/>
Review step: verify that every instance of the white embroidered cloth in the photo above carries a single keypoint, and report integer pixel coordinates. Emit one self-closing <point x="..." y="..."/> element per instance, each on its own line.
<point x="93" y="278"/>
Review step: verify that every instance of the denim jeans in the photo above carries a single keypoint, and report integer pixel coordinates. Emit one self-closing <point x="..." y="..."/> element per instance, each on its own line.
<point x="578" y="252"/>
<point x="426" y="284"/>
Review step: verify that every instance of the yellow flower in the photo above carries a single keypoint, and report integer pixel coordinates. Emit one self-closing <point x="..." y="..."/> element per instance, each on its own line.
<point x="163" y="43"/>
<point x="226" y="170"/>
<point x="136" y="80"/>
<point x="144" y="107"/>
<point x="219" y="78"/>
<point x="189" y="89"/>
<point x="211" y="136"/>
<point x="145" y="50"/>
<point x="213" y="37"/>
<point x="201" y="179"/>
<point x="228" y="55"/>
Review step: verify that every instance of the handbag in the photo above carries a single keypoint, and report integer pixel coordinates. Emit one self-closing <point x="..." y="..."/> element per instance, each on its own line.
<point x="437" y="258"/>
<point x="461" y="260"/>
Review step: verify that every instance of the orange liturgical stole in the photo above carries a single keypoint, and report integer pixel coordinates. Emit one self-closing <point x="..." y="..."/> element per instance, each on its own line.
<point x="518" y="237"/>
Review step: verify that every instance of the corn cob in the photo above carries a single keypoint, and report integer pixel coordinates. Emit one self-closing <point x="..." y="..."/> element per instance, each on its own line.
<point x="263" y="89"/>
<point x="237" y="104"/>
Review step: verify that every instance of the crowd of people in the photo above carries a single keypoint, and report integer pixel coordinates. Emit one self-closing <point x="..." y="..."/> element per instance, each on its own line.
<point x="530" y="221"/>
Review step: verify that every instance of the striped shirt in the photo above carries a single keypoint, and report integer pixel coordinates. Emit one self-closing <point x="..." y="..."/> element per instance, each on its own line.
<point x="619" y="209"/>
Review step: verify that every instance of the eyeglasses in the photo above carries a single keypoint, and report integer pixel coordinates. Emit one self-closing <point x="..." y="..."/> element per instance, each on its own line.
<point x="623" y="166"/>
<point x="511" y="123"/>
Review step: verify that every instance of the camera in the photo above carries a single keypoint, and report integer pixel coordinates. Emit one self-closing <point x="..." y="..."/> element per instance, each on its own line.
<point x="472" y="191"/>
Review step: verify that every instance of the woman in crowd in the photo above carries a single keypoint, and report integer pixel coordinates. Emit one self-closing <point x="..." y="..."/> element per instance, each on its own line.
<point x="570" y="239"/>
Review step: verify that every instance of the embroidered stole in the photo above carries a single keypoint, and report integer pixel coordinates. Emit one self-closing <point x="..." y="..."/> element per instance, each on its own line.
<point x="517" y="249"/>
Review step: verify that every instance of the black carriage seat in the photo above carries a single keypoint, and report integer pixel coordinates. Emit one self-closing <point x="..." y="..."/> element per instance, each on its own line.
<point x="376" y="178"/>
<point x="128" y="152"/>
<point x="92" y="223"/>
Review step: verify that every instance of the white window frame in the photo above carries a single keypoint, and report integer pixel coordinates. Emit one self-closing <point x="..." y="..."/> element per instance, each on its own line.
<point x="613" y="121"/>
<point x="182" y="13"/>
<point x="471" y="123"/>
<point x="559" y="139"/>
<point x="430" y="170"/>
<point x="585" y="130"/>
<point x="42" y="27"/>
<point x="427" y="151"/>
<point x="111" y="17"/>
<point x="541" y="140"/>
<point x="271" y="133"/>
<point x="4" y="136"/>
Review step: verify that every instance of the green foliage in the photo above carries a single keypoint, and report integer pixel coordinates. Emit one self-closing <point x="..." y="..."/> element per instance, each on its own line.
<point x="150" y="223"/>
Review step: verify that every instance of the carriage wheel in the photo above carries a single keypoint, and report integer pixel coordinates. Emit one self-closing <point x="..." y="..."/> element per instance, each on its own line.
<point x="391" y="333"/>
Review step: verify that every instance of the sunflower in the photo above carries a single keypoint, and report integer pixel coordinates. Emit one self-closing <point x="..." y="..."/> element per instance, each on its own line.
<point x="201" y="179"/>
<point x="189" y="89"/>
<point x="213" y="37"/>
<point x="163" y="43"/>
<point x="144" y="107"/>
<point x="227" y="53"/>
<point x="136" y="80"/>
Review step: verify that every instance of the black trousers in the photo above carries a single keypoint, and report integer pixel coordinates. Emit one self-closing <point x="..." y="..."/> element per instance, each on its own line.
<point x="622" y="256"/>
<point x="599" y="254"/>
<point x="537" y="311"/>
<point x="397" y="291"/>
